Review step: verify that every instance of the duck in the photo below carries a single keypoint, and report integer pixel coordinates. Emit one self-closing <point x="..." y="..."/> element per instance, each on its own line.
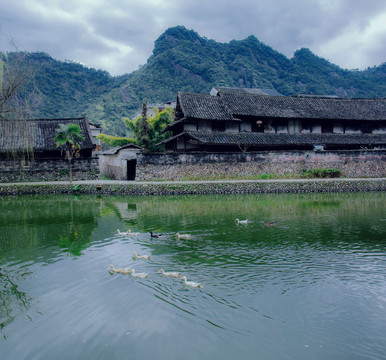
<point x="183" y="236"/>
<point x="139" y="275"/>
<point x="120" y="270"/>
<point x="244" y="222"/>
<point x="133" y="233"/>
<point x="191" y="283"/>
<point x="136" y="256"/>
<point x="272" y="223"/>
<point x="171" y="273"/>
<point x="123" y="233"/>
<point x="155" y="235"/>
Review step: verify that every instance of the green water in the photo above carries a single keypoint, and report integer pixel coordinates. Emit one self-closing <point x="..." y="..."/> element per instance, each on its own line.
<point x="313" y="286"/>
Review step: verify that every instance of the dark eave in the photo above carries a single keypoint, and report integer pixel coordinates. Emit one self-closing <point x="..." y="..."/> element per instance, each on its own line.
<point x="264" y="139"/>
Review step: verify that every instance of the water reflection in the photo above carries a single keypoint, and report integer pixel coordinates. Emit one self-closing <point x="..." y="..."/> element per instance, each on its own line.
<point x="314" y="280"/>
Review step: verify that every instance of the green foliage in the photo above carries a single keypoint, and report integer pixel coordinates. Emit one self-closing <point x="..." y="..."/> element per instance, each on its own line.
<point x="69" y="136"/>
<point x="148" y="130"/>
<point x="114" y="141"/>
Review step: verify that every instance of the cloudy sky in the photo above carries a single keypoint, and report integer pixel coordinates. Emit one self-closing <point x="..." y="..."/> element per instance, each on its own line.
<point x="119" y="35"/>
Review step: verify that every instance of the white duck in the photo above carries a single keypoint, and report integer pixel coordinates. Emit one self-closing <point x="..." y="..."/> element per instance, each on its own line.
<point x="139" y="275"/>
<point x="133" y="233"/>
<point x="183" y="236"/>
<point x="123" y="233"/>
<point x="136" y="256"/>
<point x="244" y="222"/>
<point x="171" y="273"/>
<point x="120" y="270"/>
<point x="191" y="283"/>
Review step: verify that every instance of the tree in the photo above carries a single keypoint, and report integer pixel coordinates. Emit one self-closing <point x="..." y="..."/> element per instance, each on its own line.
<point x="144" y="132"/>
<point x="148" y="131"/>
<point x="14" y="75"/>
<point x="69" y="136"/>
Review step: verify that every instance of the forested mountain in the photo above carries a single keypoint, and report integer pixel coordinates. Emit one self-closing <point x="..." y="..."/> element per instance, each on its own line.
<point x="184" y="61"/>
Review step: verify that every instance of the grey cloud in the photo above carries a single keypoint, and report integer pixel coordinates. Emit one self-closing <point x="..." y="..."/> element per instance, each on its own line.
<point x="98" y="31"/>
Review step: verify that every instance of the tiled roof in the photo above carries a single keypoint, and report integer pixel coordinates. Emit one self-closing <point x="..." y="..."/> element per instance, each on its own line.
<point x="265" y="139"/>
<point x="116" y="149"/>
<point x="38" y="134"/>
<point x="200" y="106"/>
<point x="304" y="107"/>
<point x="254" y="91"/>
<point x="230" y="105"/>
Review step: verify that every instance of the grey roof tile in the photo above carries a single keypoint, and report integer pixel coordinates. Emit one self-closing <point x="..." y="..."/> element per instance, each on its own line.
<point x="38" y="134"/>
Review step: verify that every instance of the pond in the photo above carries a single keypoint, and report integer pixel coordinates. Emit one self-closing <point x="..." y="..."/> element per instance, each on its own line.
<point x="304" y="279"/>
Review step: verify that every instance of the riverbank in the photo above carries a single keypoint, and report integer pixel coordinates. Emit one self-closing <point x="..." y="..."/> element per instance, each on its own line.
<point x="111" y="187"/>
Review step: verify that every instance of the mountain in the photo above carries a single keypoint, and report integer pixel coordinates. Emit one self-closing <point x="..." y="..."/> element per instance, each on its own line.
<point x="182" y="60"/>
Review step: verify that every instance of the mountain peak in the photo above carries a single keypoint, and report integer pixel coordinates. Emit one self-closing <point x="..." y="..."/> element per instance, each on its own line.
<point x="172" y="36"/>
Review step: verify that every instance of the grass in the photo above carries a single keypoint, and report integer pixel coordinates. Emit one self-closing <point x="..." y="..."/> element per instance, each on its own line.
<point x="236" y="177"/>
<point x="104" y="177"/>
<point x="305" y="174"/>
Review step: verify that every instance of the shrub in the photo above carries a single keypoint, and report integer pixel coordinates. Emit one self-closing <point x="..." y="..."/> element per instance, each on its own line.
<point x="321" y="173"/>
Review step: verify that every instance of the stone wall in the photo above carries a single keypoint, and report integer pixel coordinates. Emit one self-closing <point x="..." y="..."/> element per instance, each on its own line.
<point x="195" y="188"/>
<point x="180" y="166"/>
<point x="48" y="170"/>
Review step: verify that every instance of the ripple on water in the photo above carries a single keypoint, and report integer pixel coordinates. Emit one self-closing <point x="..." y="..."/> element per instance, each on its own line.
<point x="313" y="284"/>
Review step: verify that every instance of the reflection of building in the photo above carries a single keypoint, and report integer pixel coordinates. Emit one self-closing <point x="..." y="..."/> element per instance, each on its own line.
<point x="235" y="120"/>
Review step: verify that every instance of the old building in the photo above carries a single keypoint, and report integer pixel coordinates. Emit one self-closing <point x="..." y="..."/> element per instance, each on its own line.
<point x="28" y="150"/>
<point x="37" y="137"/>
<point x="120" y="163"/>
<point x="232" y="120"/>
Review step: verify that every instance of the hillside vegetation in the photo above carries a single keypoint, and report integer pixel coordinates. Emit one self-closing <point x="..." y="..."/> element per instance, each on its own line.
<point x="182" y="60"/>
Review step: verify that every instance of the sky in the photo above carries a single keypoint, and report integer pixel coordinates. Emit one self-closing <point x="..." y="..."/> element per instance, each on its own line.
<point x="118" y="35"/>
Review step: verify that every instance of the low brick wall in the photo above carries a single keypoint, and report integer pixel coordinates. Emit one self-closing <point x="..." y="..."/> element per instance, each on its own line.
<point x="48" y="170"/>
<point x="179" y="166"/>
<point x="188" y="188"/>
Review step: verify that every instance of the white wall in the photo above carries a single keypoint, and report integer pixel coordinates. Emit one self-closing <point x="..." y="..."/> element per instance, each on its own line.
<point x="204" y="125"/>
<point x="232" y="126"/>
<point x="245" y="126"/>
<point x="190" y="127"/>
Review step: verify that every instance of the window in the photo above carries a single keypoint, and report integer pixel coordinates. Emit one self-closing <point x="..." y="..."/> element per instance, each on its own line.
<point x="258" y="126"/>
<point x="327" y="127"/>
<point x="366" y="128"/>
<point x="218" y="126"/>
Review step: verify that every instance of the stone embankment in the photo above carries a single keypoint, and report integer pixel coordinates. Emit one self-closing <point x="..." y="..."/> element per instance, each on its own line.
<point x="197" y="187"/>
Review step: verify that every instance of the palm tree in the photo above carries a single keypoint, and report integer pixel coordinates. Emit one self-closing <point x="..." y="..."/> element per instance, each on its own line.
<point x="69" y="136"/>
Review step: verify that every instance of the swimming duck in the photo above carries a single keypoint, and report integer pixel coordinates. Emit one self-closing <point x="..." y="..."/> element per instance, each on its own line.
<point x="244" y="222"/>
<point x="183" y="236"/>
<point x="120" y="270"/>
<point x="190" y="283"/>
<point x="123" y="233"/>
<point x="139" y="275"/>
<point x="171" y="274"/>
<point x="155" y="235"/>
<point x="136" y="256"/>
<point x="272" y="223"/>
<point x="133" y="233"/>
